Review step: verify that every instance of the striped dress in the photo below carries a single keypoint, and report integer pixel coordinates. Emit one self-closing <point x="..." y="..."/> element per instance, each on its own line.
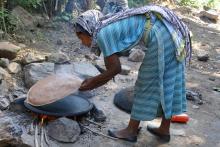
<point x="160" y="86"/>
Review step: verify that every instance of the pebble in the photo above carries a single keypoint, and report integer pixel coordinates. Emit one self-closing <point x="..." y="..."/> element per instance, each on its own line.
<point x="125" y="70"/>
<point x="136" y="55"/>
<point x="203" y="58"/>
<point x="4" y="62"/>
<point x="14" y="67"/>
<point x="211" y="78"/>
<point x="4" y="103"/>
<point x="195" y="107"/>
<point x="59" y="42"/>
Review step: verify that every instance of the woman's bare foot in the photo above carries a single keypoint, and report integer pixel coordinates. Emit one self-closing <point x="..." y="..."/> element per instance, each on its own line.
<point x="124" y="133"/>
<point x="163" y="132"/>
<point x="159" y="130"/>
<point x="129" y="133"/>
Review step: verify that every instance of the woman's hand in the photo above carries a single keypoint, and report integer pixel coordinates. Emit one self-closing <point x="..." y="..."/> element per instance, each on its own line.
<point x="87" y="84"/>
<point x="113" y="67"/>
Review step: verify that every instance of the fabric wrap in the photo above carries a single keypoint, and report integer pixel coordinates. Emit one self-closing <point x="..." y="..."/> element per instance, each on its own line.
<point x="180" y="28"/>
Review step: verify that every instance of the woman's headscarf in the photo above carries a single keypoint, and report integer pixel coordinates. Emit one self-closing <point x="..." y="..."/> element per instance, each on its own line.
<point x="88" y="21"/>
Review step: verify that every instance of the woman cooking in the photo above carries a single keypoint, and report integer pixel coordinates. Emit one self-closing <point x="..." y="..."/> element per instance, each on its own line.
<point x="160" y="86"/>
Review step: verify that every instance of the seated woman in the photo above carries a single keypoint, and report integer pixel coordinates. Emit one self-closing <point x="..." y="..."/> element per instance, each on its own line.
<point x="160" y="86"/>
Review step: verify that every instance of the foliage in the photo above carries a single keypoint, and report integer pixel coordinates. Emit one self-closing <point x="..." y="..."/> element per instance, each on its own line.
<point x="29" y="3"/>
<point x="201" y="3"/>
<point x="137" y="3"/>
<point x="188" y="3"/>
<point x="8" y="22"/>
<point x="213" y="4"/>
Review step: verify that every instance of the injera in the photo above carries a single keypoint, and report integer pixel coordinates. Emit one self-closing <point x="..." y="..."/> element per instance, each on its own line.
<point x="52" y="89"/>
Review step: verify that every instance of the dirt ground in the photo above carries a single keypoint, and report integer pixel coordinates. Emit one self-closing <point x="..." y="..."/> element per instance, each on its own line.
<point x="204" y="126"/>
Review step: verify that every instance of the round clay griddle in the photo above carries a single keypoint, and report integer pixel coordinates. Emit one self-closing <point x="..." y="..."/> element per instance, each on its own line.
<point x="71" y="105"/>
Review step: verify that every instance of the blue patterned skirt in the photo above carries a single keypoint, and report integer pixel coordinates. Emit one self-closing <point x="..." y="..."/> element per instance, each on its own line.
<point x="160" y="86"/>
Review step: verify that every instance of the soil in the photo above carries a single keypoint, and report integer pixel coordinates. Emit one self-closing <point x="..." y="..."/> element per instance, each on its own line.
<point x="204" y="125"/>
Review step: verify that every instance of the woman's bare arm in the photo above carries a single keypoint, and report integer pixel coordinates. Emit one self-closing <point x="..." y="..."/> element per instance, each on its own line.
<point x="113" y="67"/>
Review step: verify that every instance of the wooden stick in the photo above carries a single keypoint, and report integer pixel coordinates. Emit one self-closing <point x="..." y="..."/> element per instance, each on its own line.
<point x="93" y="122"/>
<point x="101" y="134"/>
<point x="3" y="18"/>
<point x="56" y="5"/>
<point x="36" y="136"/>
<point x="42" y="137"/>
<point x="45" y="9"/>
<point x="46" y="139"/>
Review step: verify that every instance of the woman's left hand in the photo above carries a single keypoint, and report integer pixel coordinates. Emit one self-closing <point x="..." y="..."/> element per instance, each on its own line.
<point x="87" y="84"/>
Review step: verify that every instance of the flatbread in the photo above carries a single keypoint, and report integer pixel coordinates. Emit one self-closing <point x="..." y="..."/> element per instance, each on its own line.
<point x="52" y="88"/>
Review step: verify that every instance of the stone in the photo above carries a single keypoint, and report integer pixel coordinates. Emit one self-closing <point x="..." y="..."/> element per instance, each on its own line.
<point x="3" y="83"/>
<point x="136" y="55"/>
<point x="210" y="14"/>
<point x="195" y="107"/>
<point x="202" y="54"/>
<point x="58" y="58"/>
<point x="14" y="67"/>
<point x="178" y="132"/>
<point x="32" y="58"/>
<point x="22" y="45"/>
<point x="85" y="70"/>
<point x="124" y="53"/>
<point x="12" y="127"/>
<point x="9" y="132"/>
<point x="26" y="19"/>
<point x="3" y="72"/>
<point x="59" y="42"/>
<point x="36" y="71"/>
<point x="4" y="103"/>
<point x="17" y="93"/>
<point x="64" y="69"/>
<point x="216" y="88"/>
<point x="40" y="21"/>
<point x="91" y="57"/>
<point x="212" y="78"/>
<point x="125" y="70"/>
<point x="124" y="99"/>
<point x="203" y="57"/>
<point x="100" y="65"/>
<point x="64" y="130"/>
<point x="4" y="62"/>
<point x="8" y="50"/>
<point x="21" y="39"/>
<point x="194" y="96"/>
